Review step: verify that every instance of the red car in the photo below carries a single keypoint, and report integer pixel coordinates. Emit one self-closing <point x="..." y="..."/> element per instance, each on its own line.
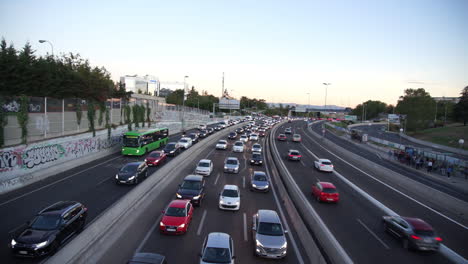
<point x="282" y="137"/>
<point x="325" y="192"/>
<point x="155" y="158"/>
<point x="176" y="218"/>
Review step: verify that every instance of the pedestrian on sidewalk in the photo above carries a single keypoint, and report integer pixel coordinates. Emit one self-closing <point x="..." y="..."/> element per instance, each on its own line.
<point x="449" y="171"/>
<point x="429" y="166"/>
<point x="390" y="154"/>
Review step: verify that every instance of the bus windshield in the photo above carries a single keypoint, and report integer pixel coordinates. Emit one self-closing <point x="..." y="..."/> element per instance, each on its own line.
<point x="131" y="141"/>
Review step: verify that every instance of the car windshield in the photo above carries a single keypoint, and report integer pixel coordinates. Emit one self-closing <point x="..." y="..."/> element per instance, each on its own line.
<point x="170" y="146"/>
<point x="424" y="232"/>
<point x="129" y="168"/>
<point x="270" y="229"/>
<point x="326" y="163"/>
<point x="130" y="141"/>
<point x="329" y="190"/>
<point x="243" y="136"/>
<point x="222" y="142"/>
<point x="155" y="155"/>
<point x="46" y="222"/>
<point x="231" y="162"/>
<point x="230" y="193"/>
<point x="257" y="146"/>
<point x="297" y="136"/>
<point x="260" y="177"/>
<point x="295" y="153"/>
<point x="183" y="141"/>
<point x="256" y="156"/>
<point x="238" y="144"/>
<point x="174" y="211"/>
<point x="203" y="164"/>
<point x="282" y="135"/>
<point x="216" y="255"/>
<point x="191" y="185"/>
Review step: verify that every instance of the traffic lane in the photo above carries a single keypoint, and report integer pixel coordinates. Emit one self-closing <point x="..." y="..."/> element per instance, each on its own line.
<point x="93" y="185"/>
<point x="453" y="234"/>
<point x="208" y="218"/>
<point x="362" y="218"/>
<point x="438" y="185"/>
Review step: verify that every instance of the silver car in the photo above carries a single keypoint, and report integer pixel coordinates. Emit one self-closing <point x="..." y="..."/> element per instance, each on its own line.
<point x="217" y="248"/>
<point x="256" y="147"/>
<point x="268" y="234"/>
<point x="231" y="164"/>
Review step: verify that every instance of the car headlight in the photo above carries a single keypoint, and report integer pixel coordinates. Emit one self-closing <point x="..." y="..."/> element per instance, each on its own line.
<point x="196" y="197"/>
<point x="41" y="245"/>
<point x="237" y="203"/>
<point x="182" y="226"/>
<point x="258" y="243"/>
<point x="178" y="196"/>
<point x="161" y="224"/>
<point x="252" y="160"/>
<point x="138" y="151"/>
<point x="116" y="176"/>
<point x="285" y="245"/>
<point x="221" y="201"/>
<point x="13" y="242"/>
<point x="254" y="185"/>
<point x="131" y="178"/>
<point x="172" y="151"/>
<point x="225" y="167"/>
<point x="146" y="160"/>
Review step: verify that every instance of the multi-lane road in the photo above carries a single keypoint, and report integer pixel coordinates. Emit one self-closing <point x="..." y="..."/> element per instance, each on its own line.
<point x="354" y="221"/>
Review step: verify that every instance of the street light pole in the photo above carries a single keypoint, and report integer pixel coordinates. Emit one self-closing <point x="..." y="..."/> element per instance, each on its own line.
<point x="308" y="105"/>
<point x="52" y="46"/>
<point x="326" y="91"/>
<point x="183" y="106"/>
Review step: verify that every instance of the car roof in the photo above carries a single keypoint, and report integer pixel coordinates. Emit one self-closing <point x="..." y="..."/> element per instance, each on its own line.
<point x="417" y="223"/>
<point x="193" y="178"/>
<point x="230" y="187"/>
<point x="147" y="258"/>
<point x="157" y="151"/>
<point x="244" y="136"/>
<point x="178" y="203"/>
<point x="136" y="163"/>
<point x="218" y="239"/>
<point x="171" y="143"/>
<point x="256" y="144"/>
<point x="232" y="158"/>
<point x="268" y="216"/>
<point x="222" y="140"/>
<point x="259" y="173"/>
<point x="296" y="135"/>
<point x="258" y="153"/>
<point x="281" y="135"/>
<point x="58" y="208"/>
<point x="327" y="185"/>
<point x="291" y="150"/>
<point x="204" y="160"/>
<point x="324" y="160"/>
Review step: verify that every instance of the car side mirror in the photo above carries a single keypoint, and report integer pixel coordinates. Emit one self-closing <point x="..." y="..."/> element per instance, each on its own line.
<point x="233" y="257"/>
<point x="200" y="255"/>
<point x="285" y="231"/>
<point x="163" y="212"/>
<point x="254" y="228"/>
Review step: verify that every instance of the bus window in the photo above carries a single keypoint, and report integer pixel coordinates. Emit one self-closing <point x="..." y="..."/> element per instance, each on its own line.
<point x="131" y="141"/>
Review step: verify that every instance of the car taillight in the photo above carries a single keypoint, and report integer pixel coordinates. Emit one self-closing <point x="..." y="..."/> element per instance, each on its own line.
<point x="415" y="237"/>
<point x="321" y="165"/>
<point x="291" y="156"/>
<point x="438" y="239"/>
<point x="299" y="156"/>
<point x="85" y="209"/>
<point x="322" y="194"/>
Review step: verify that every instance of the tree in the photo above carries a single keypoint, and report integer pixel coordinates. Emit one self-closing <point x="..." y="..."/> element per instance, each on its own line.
<point x="175" y="97"/>
<point x="369" y="109"/>
<point x="419" y="108"/>
<point x="461" y="108"/>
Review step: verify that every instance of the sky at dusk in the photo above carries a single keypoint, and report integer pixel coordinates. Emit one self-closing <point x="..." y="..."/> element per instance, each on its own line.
<point x="274" y="50"/>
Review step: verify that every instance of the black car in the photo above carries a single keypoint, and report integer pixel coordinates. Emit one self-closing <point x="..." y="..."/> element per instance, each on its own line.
<point x="194" y="137"/>
<point x="192" y="188"/>
<point x="239" y="130"/>
<point x="50" y="228"/>
<point x="132" y="173"/>
<point x="172" y="149"/>
<point x="147" y="258"/>
<point x="232" y="135"/>
<point x="210" y="130"/>
<point x="257" y="159"/>
<point x="203" y="134"/>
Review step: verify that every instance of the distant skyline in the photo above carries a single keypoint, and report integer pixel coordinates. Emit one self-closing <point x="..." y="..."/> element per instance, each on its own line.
<point x="273" y="50"/>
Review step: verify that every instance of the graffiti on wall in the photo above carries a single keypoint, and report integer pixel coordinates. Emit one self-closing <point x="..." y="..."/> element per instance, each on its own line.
<point x="12" y="106"/>
<point x="35" y="156"/>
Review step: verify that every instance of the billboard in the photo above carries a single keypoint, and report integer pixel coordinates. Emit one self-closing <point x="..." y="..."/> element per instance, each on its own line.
<point x="350" y="118"/>
<point x="394" y="119"/>
<point x="226" y="103"/>
<point x="300" y="109"/>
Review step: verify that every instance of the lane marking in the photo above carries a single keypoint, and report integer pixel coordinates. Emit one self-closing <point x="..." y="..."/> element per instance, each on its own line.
<point x="383" y="183"/>
<point x="217" y="177"/>
<point x="245" y="227"/>
<point x="60" y="180"/>
<point x="303" y="164"/>
<point x="373" y="234"/>
<point x="243" y="182"/>
<point x="153" y="227"/>
<point x="201" y="223"/>
<point x="105" y="179"/>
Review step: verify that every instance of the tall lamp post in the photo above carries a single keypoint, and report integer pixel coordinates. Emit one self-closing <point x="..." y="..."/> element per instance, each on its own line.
<point x="308" y="105"/>
<point x="51" y="46"/>
<point x="183" y="105"/>
<point x="326" y="91"/>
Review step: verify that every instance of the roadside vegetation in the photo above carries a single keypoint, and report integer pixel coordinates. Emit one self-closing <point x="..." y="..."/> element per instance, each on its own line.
<point x="447" y="136"/>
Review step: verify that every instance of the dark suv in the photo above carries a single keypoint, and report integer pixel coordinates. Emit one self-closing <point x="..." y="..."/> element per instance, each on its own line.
<point x="132" y="173"/>
<point x="192" y="188"/>
<point x="232" y="135"/>
<point x="172" y="149"/>
<point x="257" y="159"/>
<point x="50" y="228"/>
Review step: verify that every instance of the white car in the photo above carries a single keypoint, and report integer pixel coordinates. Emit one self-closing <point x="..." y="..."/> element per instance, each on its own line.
<point x="217" y="248"/>
<point x="204" y="167"/>
<point x="185" y="142"/>
<point x="244" y="138"/>
<point x="229" y="198"/>
<point x="323" y="165"/>
<point x="256" y="147"/>
<point x="238" y="146"/>
<point x="201" y="127"/>
<point x="222" y="144"/>
<point x="253" y="136"/>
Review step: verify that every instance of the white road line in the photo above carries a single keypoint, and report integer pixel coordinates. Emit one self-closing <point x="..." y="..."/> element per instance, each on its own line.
<point x="373" y="234"/>
<point x="151" y="231"/>
<point x="201" y="223"/>
<point x="291" y="238"/>
<point x="52" y="183"/>
<point x="383" y="183"/>
<point x="217" y="177"/>
<point x="245" y="227"/>
<point x="105" y="179"/>
<point x="303" y="164"/>
<point x="243" y="182"/>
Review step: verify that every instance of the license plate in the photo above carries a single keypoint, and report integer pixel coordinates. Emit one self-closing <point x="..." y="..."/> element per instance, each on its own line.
<point x="171" y="230"/>
<point x="329" y="199"/>
<point x="122" y="181"/>
<point x="23" y="252"/>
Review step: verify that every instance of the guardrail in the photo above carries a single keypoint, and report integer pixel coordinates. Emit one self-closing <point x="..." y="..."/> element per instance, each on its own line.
<point x="333" y="250"/>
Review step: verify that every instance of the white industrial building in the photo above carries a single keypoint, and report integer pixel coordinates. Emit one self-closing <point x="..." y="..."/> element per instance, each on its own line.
<point x="145" y="84"/>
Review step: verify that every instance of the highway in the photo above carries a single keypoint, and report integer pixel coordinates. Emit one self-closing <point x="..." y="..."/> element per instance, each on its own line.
<point x="355" y="222"/>
<point x="91" y="184"/>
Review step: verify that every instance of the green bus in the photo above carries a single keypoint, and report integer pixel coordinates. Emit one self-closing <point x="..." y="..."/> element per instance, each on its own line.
<point x="141" y="142"/>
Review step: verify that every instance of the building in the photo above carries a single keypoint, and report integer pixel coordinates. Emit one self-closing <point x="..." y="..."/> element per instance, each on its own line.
<point x="140" y="84"/>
